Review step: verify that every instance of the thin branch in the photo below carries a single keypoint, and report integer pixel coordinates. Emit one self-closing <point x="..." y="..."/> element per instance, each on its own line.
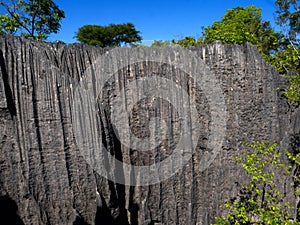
<point x="12" y="14"/>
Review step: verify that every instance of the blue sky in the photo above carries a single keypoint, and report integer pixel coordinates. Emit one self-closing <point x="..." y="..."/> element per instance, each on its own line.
<point x="155" y="19"/>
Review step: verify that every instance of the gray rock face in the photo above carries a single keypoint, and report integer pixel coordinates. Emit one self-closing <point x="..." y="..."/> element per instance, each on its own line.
<point x="94" y="136"/>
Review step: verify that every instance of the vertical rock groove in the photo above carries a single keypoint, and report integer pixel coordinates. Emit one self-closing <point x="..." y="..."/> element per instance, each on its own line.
<point x="8" y="93"/>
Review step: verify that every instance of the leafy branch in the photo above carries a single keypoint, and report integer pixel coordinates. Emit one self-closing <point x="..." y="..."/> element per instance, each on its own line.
<point x="260" y="201"/>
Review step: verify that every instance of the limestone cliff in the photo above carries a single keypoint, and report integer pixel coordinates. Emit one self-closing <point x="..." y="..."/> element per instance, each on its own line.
<point x="72" y="118"/>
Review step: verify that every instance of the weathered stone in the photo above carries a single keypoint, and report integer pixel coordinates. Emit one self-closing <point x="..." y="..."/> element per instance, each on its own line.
<point x="42" y="168"/>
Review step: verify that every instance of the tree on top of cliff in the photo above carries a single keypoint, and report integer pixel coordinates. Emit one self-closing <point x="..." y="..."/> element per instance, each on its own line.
<point x="287" y="17"/>
<point x="34" y="19"/>
<point x="240" y="25"/>
<point x="281" y="49"/>
<point x="108" y="36"/>
<point x="287" y="60"/>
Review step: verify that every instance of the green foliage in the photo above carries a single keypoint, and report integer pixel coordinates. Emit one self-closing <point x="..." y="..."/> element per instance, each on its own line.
<point x="188" y="41"/>
<point x="293" y="90"/>
<point x="160" y="44"/>
<point x="8" y="24"/>
<point x="108" y="36"/>
<point x="240" y="25"/>
<point x="294" y="157"/>
<point x="260" y="201"/>
<point x="288" y="17"/>
<point x="288" y="61"/>
<point x="155" y="44"/>
<point x="31" y="18"/>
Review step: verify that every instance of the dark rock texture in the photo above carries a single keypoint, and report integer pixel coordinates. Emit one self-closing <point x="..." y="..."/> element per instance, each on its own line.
<point x="44" y="175"/>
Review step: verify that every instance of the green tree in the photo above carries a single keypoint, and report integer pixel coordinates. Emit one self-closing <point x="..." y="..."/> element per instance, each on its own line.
<point x="281" y="49"/>
<point x="240" y="25"/>
<point x="288" y="63"/>
<point x="160" y="44"/>
<point x="188" y="41"/>
<point x="287" y="60"/>
<point x="260" y="200"/>
<point x="287" y="17"/>
<point x="108" y="36"/>
<point x="34" y="19"/>
<point x="155" y="44"/>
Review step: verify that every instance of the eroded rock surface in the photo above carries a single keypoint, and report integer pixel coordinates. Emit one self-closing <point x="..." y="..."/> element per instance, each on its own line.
<point x="44" y="171"/>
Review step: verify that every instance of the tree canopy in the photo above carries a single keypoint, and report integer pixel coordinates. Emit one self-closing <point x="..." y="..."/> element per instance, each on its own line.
<point x="287" y="17"/>
<point x="108" y="36"/>
<point x="240" y="25"/>
<point x="287" y="60"/>
<point x="34" y="19"/>
<point x="159" y="44"/>
<point x="188" y="41"/>
<point x="281" y="49"/>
